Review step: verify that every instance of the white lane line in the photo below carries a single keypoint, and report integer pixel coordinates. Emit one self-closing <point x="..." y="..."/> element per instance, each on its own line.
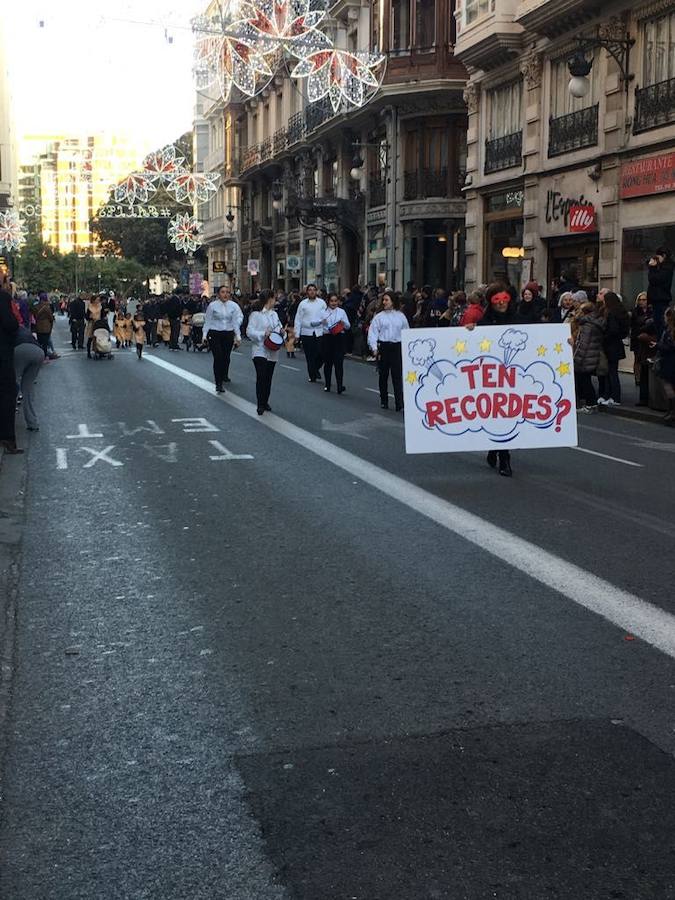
<point x="375" y="391"/>
<point x="292" y="368"/>
<point x="626" y="462"/>
<point x="627" y="611"/>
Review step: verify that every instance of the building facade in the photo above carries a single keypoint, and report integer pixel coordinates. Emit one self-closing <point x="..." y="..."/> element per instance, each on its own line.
<point x="367" y="195"/>
<point x="559" y="184"/>
<point x="7" y="137"/>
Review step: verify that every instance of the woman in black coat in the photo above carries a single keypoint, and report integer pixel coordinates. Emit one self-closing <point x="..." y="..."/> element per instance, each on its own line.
<point x="617" y="326"/>
<point x="9" y="325"/>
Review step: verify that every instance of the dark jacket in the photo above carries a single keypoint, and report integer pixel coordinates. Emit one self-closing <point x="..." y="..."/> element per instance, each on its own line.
<point x="588" y="342"/>
<point x="530" y="313"/>
<point x="8" y="327"/>
<point x="76" y="310"/>
<point x="492" y="317"/>
<point x="25" y="336"/>
<point x="666" y="357"/>
<point x="642" y="333"/>
<point x="660" y="281"/>
<point x="173" y="307"/>
<point x="44" y="318"/>
<point x="616" y="329"/>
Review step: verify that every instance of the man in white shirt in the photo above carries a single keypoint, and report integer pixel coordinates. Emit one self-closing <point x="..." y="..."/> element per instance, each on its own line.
<point x="222" y="326"/>
<point x="309" y="328"/>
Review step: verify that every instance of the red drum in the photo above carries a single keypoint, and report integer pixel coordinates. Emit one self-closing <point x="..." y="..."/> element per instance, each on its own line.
<point x="338" y="328"/>
<point x="274" y="341"/>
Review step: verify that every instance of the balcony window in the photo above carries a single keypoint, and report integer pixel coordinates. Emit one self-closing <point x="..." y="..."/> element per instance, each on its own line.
<point x="400" y="24"/>
<point x="413" y="24"/>
<point x="474" y="9"/>
<point x="562" y="102"/>
<point x="573" y="131"/>
<point x="655" y="102"/>
<point x="504" y="145"/>
<point x="425" y="25"/>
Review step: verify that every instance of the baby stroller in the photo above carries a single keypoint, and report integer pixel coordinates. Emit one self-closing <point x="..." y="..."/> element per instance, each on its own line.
<point x="197" y="332"/>
<point x="101" y="344"/>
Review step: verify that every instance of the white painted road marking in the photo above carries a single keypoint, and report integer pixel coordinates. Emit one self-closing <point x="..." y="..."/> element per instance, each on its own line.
<point x="627" y="611"/>
<point x="61" y="458"/>
<point x="292" y="368"/>
<point x="195" y="425"/>
<point x="102" y="455"/>
<point x="82" y="432"/>
<point x="626" y="462"/>
<point x="227" y="454"/>
<point x="375" y="391"/>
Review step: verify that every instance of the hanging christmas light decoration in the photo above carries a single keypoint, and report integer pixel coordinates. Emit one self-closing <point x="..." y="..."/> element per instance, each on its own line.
<point x="185" y="232"/>
<point x="164" y="163"/>
<point x="12" y="231"/>
<point x="139" y="186"/>
<point x="244" y="43"/>
<point x="193" y="187"/>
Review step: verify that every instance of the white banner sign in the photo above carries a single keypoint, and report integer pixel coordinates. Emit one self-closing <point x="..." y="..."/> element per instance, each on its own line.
<point x="488" y="389"/>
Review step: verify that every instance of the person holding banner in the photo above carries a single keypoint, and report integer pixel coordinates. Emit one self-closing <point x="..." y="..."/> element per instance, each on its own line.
<point x="265" y="332"/>
<point x="501" y="310"/>
<point x="384" y="340"/>
<point x="335" y="329"/>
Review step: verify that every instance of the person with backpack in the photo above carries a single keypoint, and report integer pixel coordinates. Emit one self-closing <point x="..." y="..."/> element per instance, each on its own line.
<point x="617" y="326"/>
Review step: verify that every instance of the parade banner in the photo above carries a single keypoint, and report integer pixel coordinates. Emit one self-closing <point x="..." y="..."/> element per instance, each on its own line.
<point x="492" y="388"/>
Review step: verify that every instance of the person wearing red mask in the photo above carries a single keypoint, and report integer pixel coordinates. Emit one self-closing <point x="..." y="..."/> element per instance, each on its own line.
<point x="501" y="310"/>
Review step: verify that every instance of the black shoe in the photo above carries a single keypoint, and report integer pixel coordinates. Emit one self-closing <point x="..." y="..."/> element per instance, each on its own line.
<point x="220" y="389"/>
<point x="341" y="390"/>
<point x="226" y="380"/>
<point x="318" y="378"/>
<point x="399" y="408"/>
<point x="505" y="469"/>
<point x="327" y="389"/>
<point x="268" y="408"/>
<point x="384" y="405"/>
<point x="312" y="380"/>
<point x="492" y="459"/>
<point x="261" y="410"/>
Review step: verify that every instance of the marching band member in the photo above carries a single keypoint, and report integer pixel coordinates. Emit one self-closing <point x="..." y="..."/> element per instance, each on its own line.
<point x="222" y="326"/>
<point x="384" y="340"/>
<point x="267" y="336"/>
<point x="335" y="328"/>
<point x="309" y="329"/>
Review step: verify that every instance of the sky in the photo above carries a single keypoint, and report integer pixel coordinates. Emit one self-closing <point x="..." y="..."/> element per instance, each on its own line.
<point x="94" y="65"/>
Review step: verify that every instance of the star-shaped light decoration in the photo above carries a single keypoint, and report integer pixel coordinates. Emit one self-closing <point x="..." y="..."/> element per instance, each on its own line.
<point x="541" y="350"/>
<point x="290" y="24"/>
<point x="411" y="377"/>
<point x="340" y="75"/>
<point x="193" y="187"/>
<point x="558" y="348"/>
<point x="460" y="346"/>
<point x="139" y="186"/>
<point x="12" y="230"/>
<point x="563" y="368"/>
<point x="164" y="163"/>
<point x="485" y="345"/>
<point x="184" y="232"/>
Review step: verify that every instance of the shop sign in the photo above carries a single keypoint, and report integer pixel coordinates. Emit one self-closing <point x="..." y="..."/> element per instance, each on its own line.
<point x="558" y="208"/>
<point x="219" y="265"/>
<point x="293" y="263"/>
<point x="654" y="175"/>
<point x="582" y="218"/>
<point x="252" y="266"/>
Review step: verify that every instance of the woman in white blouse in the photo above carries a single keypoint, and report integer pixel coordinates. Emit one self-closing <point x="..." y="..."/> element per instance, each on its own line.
<point x="265" y="332"/>
<point x="222" y="326"/>
<point x="335" y="330"/>
<point x="384" y="339"/>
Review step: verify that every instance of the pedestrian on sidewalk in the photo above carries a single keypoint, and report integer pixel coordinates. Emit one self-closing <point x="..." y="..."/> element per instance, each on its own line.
<point x="309" y="329"/>
<point x="660" y="284"/>
<point x="140" y="334"/>
<point x="664" y="367"/>
<point x="44" y="321"/>
<point x="28" y="360"/>
<point x="336" y="327"/>
<point x="588" y="327"/>
<point x="222" y="327"/>
<point x="617" y="326"/>
<point x="8" y="329"/>
<point x="76" y="316"/>
<point x="266" y="334"/>
<point x="384" y="340"/>
<point x="642" y="336"/>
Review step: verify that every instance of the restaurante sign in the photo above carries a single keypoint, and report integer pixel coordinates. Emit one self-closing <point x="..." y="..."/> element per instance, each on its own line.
<point x="653" y="175"/>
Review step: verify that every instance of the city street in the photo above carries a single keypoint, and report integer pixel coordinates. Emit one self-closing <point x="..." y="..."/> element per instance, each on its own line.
<point x="275" y="657"/>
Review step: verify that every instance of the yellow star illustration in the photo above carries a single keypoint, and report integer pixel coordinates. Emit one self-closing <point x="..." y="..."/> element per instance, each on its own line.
<point x="485" y="345"/>
<point x="460" y="346"/>
<point x="541" y="350"/>
<point x="558" y="348"/>
<point x="563" y="368"/>
<point x="411" y="377"/>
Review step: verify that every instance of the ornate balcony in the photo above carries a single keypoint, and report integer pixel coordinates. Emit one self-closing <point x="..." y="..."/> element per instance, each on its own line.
<point x="425" y="184"/>
<point x="250" y="157"/>
<point x="279" y="141"/>
<point x="573" y="131"/>
<point x="266" y="150"/>
<point x="654" y="106"/>
<point x="504" y="152"/>
<point x="377" y="190"/>
<point x="296" y="128"/>
<point x="318" y="113"/>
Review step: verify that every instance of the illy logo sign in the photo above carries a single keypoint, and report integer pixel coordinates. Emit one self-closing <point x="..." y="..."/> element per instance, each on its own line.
<point x="582" y="218"/>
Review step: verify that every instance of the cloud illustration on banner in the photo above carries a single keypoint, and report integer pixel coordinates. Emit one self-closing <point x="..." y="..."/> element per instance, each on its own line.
<point x="485" y="395"/>
<point x="512" y="342"/>
<point x="422" y="352"/>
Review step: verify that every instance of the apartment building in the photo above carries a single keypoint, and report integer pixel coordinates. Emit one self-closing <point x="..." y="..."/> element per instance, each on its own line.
<point x="7" y="137"/>
<point x="568" y="178"/>
<point x="371" y="194"/>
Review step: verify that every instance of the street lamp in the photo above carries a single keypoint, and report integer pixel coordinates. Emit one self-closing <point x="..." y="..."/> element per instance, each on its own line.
<point x="611" y="38"/>
<point x="579" y="68"/>
<point x="277" y="196"/>
<point x="229" y="219"/>
<point x="357" y="165"/>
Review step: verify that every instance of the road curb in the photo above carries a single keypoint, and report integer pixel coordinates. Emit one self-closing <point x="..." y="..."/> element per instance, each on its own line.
<point x="640" y="415"/>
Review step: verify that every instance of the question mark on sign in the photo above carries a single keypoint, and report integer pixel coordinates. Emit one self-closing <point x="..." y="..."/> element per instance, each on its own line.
<point x="564" y="406"/>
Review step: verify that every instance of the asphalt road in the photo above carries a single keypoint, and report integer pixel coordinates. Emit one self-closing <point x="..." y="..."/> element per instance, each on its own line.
<point x="277" y="658"/>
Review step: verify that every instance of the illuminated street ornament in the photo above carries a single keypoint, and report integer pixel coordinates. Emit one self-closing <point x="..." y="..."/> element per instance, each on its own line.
<point x="12" y="231"/>
<point x="184" y="232"/>
<point x="344" y="77"/>
<point x="244" y="44"/>
<point x="193" y="187"/>
<point x="164" y="163"/>
<point x="139" y="186"/>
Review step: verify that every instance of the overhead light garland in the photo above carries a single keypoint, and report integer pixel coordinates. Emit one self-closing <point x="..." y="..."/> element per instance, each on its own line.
<point x="12" y="231"/>
<point x="184" y="232"/>
<point x="242" y="45"/>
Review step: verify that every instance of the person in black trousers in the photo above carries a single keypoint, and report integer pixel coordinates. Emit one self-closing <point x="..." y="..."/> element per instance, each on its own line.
<point x="335" y="331"/>
<point x="384" y="339"/>
<point x="309" y="329"/>
<point x="263" y="326"/>
<point x="222" y="326"/>
<point x="76" y="314"/>
<point x="9" y="325"/>
<point x="172" y="310"/>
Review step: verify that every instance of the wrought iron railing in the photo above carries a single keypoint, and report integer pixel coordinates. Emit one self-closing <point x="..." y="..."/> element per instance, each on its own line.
<point x="377" y="190"/>
<point x="266" y="150"/>
<point x="425" y="183"/>
<point x="250" y="156"/>
<point x="296" y="128"/>
<point x="279" y="141"/>
<point x="318" y="113"/>
<point x="654" y="106"/>
<point x="504" y="152"/>
<point x="573" y="131"/>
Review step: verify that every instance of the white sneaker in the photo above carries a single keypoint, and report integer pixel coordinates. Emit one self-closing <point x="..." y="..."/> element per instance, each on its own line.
<point x="603" y="402"/>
